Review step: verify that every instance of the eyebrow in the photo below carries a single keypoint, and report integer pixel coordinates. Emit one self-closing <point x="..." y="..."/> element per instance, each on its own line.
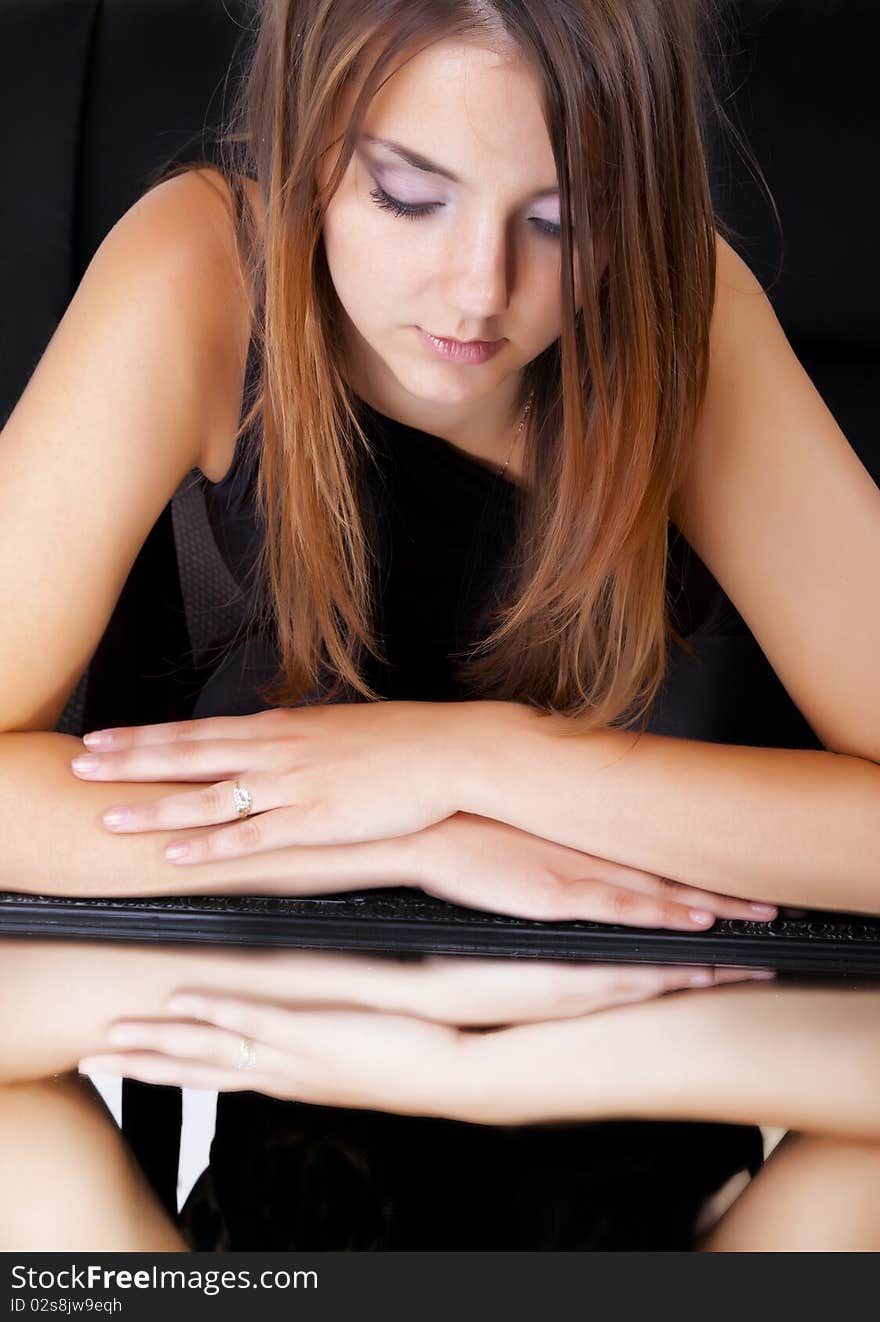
<point x="420" y="162"/>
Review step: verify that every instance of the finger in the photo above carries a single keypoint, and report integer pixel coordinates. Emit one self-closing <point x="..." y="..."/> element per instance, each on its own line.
<point x="723" y="906"/>
<point x="733" y="973"/>
<point x="600" y="902"/>
<point x="708" y="976"/>
<point x="648" y="883"/>
<point x="262" y="1022"/>
<point x="272" y="830"/>
<point x="640" y="982"/>
<point x="203" y="807"/>
<point x="170" y="732"/>
<point x="479" y="992"/>
<point x="475" y="992"/>
<point x="453" y="991"/>
<point x="348" y="1035"/>
<point x="670" y="977"/>
<point x="201" y="1042"/>
<point x="190" y="759"/>
<point x="149" y="1067"/>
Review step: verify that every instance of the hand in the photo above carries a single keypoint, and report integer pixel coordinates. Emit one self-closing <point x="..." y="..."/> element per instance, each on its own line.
<point x="407" y="1053"/>
<point x="484" y="864"/>
<point x="382" y="775"/>
<point x="318" y="775"/>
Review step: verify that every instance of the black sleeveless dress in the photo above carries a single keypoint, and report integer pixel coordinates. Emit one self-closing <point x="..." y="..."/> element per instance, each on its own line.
<point x="297" y="1176"/>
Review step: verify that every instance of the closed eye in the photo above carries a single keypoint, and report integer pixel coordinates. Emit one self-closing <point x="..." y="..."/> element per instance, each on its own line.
<point x="413" y="211"/>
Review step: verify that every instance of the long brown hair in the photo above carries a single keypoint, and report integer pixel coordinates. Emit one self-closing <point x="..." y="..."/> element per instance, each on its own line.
<point x="584" y="626"/>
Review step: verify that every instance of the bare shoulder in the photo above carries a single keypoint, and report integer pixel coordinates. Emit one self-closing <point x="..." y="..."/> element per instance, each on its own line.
<point x="196" y="210"/>
<point x="129" y="395"/>
<point x="111" y="421"/>
<point x="743" y="319"/>
<point x="741" y="312"/>
<point x="733" y="274"/>
<point x="783" y="512"/>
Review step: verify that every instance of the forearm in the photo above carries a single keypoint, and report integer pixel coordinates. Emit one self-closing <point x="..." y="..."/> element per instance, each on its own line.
<point x="788" y="826"/>
<point x="88" y="985"/>
<point x="55" y="843"/>
<point x="741" y="1054"/>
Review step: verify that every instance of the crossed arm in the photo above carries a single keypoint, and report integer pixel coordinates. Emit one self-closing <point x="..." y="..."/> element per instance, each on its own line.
<point x="790" y="826"/>
<point x="781" y="510"/>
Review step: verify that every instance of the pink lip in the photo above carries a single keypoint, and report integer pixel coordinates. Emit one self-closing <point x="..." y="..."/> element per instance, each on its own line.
<point x="461" y="351"/>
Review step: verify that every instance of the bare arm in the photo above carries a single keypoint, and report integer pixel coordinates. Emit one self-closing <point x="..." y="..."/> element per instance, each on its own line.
<point x="140" y="384"/>
<point x="790" y="826"/>
<point x="134" y="385"/>
<point x="89" y="985"/>
<point x="466" y="859"/>
<point x="779" y="507"/>
<point x="141" y="377"/>
<point x="743" y="1054"/>
<point x="54" y="842"/>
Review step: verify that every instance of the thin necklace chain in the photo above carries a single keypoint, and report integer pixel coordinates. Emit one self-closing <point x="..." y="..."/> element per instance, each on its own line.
<point x="522" y="422"/>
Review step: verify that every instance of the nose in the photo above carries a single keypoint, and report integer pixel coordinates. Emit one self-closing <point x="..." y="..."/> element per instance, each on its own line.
<point x="479" y="274"/>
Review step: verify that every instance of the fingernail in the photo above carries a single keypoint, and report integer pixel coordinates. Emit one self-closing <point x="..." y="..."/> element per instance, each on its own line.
<point x="767" y="910"/>
<point x="763" y="973"/>
<point x="700" y="916"/>
<point x="701" y="978"/>
<point x="85" y="763"/>
<point x="177" y="851"/>
<point x="115" y="817"/>
<point x="98" y="739"/>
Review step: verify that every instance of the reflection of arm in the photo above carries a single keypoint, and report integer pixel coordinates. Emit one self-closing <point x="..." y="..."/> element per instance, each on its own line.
<point x="797" y="1057"/>
<point x="61" y="996"/>
<point x="788" y="826"/>
<point x="88" y="985"/>
<point x="800" y="1058"/>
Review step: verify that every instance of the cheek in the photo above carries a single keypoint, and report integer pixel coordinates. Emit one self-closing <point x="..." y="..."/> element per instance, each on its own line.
<point x="348" y="258"/>
<point x="547" y="304"/>
<point x="543" y="316"/>
<point x="365" y="263"/>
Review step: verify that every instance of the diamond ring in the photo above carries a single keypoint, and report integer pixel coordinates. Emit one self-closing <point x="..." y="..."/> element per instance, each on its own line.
<point x="247" y="1054"/>
<point x="242" y="798"/>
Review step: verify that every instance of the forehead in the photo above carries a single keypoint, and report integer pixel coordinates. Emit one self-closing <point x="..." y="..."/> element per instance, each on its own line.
<point x="475" y="109"/>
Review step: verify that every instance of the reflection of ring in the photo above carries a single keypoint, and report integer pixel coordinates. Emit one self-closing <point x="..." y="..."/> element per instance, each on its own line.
<point x="247" y="1054"/>
<point x="242" y="798"/>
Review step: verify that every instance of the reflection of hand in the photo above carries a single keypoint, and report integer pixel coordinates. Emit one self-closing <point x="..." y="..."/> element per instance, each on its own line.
<point x="387" y="1057"/>
<point x="484" y="864"/>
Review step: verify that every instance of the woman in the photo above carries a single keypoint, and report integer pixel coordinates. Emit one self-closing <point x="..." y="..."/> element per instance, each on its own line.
<point x="572" y="237"/>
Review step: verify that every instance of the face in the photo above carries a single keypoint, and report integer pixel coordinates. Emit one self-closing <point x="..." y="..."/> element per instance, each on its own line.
<point x="474" y="257"/>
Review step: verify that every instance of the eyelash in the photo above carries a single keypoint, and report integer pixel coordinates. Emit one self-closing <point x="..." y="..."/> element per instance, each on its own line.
<point x="410" y="212"/>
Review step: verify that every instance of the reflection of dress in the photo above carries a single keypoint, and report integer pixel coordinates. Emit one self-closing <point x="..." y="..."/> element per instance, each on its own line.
<point x="290" y="1175"/>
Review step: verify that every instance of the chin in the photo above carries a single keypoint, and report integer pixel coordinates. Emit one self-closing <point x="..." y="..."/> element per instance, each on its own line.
<point x="448" y="395"/>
